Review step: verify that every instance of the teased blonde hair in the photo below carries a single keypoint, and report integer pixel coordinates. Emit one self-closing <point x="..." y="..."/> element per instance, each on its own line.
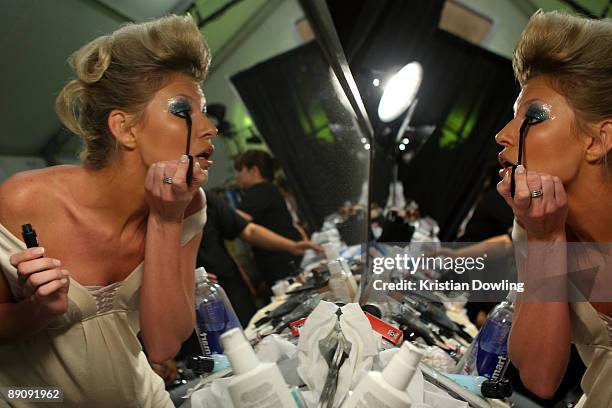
<point x="123" y="70"/>
<point x="575" y="55"/>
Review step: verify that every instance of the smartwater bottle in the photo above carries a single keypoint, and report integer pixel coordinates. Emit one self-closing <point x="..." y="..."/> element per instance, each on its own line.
<point x="214" y="313"/>
<point x="488" y="354"/>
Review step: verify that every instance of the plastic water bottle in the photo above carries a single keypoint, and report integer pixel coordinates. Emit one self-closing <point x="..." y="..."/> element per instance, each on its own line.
<point x="214" y="313"/>
<point x="488" y="354"/>
<point x="339" y="283"/>
<point x="332" y="254"/>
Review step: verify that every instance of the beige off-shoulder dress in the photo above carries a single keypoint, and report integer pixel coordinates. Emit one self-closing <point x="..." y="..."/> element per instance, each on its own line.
<point x="592" y="336"/>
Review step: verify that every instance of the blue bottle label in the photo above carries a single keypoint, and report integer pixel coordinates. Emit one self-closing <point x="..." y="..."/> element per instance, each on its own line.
<point x="204" y="342"/>
<point x="212" y="323"/>
<point x="492" y="350"/>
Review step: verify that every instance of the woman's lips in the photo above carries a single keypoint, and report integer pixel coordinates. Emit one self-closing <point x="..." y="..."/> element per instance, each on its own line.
<point x="204" y="156"/>
<point x="506" y="165"/>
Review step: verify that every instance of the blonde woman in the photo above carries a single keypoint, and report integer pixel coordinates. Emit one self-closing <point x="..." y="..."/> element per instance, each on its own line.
<point x="119" y="233"/>
<point x="563" y="193"/>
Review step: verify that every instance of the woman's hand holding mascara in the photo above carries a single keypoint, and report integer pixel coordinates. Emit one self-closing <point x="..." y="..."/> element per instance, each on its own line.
<point x="44" y="282"/>
<point x="169" y="199"/>
<point x="542" y="217"/>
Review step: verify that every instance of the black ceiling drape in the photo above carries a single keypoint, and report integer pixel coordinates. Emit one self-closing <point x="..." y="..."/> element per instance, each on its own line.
<point x="467" y="92"/>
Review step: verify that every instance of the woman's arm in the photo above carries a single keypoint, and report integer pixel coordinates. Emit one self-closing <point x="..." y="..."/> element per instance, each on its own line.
<point x="166" y="306"/>
<point x="494" y="247"/>
<point x="540" y="339"/>
<point x="244" y="215"/>
<point x="539" y="343"/>
<point x="21" y="320"/>
<point x="262" y="237"/>
<point x="167" y="311"/>
<point x="45" y="291"/>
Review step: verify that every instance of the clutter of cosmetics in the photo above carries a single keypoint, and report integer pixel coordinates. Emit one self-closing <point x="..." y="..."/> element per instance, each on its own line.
<point x="413" y="323"/>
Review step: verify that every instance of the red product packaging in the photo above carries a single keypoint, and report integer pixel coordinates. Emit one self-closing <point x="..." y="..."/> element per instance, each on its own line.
<point x="389" y="332"/>
<point x="296" y="326"/>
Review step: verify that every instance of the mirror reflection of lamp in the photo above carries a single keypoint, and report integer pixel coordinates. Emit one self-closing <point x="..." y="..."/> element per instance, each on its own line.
<point x="400" y="92"/>
<point x="399" y="97"/>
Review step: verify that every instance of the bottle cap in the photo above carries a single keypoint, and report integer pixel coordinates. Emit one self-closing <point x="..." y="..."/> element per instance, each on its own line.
<point x="201" y="274"/>
<point x="411" y="354"/>
<point x="200" y="364"/>
<point x="239" y="351"/>
<point x="335" y="268"/>
<point x="331" y="253"/>
<point x="29" y="235"/>
<point x="511" y="297"/>
<point x="496" y="389"/>
<point x="398" y="373"/>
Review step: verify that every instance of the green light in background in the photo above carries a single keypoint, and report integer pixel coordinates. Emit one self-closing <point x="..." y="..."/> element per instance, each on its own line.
<point x="459" y="124"/>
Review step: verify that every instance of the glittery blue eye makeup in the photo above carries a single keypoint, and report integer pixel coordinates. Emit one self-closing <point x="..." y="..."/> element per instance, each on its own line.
<point x="537" y="113"/>
<point x="179" y="106"/>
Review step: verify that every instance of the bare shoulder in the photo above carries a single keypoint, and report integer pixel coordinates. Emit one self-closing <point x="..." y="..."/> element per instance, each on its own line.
<point x="26" y="195"/>
<point x="20" y="195"/>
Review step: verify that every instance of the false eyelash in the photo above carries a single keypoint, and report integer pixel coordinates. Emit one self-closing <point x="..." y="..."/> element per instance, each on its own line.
<point x="537" y="113"/>
<point x="179" y="107"/>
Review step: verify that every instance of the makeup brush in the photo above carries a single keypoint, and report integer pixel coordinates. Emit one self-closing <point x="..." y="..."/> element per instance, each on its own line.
<point x="187" y="148"/>
<point x="182" y="109"/>
<point x="533" y="116"/>
<point x="522" y="133"/>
